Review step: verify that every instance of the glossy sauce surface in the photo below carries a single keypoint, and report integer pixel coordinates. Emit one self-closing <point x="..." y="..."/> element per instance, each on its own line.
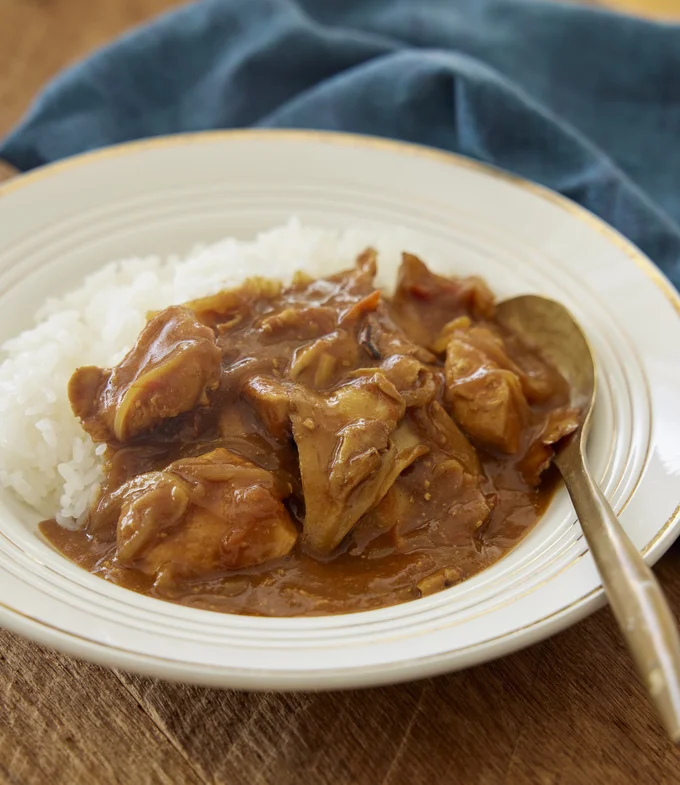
<point x="317" y="448"/>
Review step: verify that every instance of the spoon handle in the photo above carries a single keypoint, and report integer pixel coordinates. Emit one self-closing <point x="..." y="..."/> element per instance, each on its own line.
<point x="636" y="599"/>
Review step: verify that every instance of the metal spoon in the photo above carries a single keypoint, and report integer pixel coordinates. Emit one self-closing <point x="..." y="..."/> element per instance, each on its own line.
<point x="638" y="603"/>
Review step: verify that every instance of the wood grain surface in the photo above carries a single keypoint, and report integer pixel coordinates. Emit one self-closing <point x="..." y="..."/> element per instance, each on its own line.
<point x="568" y="711"/>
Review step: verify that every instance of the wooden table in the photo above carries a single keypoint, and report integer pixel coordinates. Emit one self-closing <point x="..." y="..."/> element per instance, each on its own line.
<point x="567" y="711"/>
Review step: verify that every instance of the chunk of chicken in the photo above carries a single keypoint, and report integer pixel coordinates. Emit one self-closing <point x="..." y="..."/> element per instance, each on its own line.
<point x="424" y="302"/>
<point x="218" y="511"/>
<point x="538" y="380"/>
<point x="437" y="503"/>
<point x="491" y="380"/>
<point x="270" y="399"/>
<point x="442" y="496"/>
<point x="458" y="494"/>
<point x="171" y="369"/>
<point x="485" y="399"/>
<point x="350" y="451"/>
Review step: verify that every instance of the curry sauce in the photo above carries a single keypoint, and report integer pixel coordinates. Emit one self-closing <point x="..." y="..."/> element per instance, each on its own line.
<point x="318" y="447"/>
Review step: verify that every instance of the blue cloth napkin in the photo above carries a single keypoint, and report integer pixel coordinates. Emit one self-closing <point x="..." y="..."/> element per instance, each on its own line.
<point x="584" y="101"/>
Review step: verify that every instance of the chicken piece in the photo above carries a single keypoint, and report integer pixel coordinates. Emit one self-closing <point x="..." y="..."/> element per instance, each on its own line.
<point x="394" y="506"/>
<point x="271" y="401"/>
<point x="539" y="381"/>
<point x="424" y="302"/>
<point x="446" y="502"/>
<point x="438" y="503"/>
<point x="451" y="510"/>
<point x="206" y="544"/>
<point x="351" y="451"/>
<point x="150" y="505"/>
<point x="458" y="493"/>
<point x="170" y="370"/>
<point x="487" y="401"/>
<point x="200" y="515"/>
<point x="492" y="379"/>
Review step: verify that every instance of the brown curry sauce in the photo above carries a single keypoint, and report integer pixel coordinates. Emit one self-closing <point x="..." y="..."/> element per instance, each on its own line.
<point x="317" y="448"/>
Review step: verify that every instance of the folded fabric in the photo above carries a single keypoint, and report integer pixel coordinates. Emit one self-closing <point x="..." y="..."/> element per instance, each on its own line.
<point x="584" y="101"/>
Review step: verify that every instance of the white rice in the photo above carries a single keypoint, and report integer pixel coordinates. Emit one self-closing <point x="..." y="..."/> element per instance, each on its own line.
<point x="45" y="456"/>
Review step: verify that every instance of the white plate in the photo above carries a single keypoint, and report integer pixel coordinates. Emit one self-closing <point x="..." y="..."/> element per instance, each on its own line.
<point x="164" y="195"/>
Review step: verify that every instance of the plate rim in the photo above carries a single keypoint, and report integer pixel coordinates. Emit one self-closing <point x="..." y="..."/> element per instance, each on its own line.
<point x="427" y="665"/>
